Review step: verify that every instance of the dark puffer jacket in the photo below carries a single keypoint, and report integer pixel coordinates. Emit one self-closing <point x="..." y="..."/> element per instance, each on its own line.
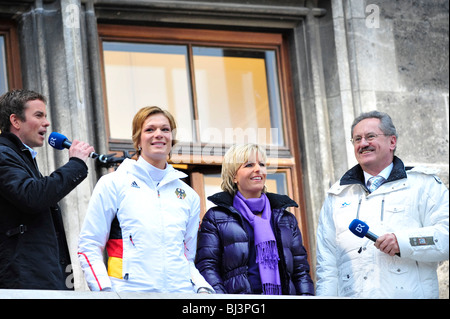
<point x="223" y="248"/>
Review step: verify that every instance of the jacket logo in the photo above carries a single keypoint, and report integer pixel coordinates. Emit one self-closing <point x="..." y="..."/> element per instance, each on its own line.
<point x="345" y="204"/>
<point x="181" y="194"/>
<point x="134" y="184"/>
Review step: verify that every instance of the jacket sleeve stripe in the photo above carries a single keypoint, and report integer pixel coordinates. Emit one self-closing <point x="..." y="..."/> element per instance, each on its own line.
<point x="92" y="269"/>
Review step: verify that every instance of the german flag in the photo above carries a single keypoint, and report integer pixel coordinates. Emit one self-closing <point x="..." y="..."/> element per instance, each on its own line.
<point x="114" y="248"/>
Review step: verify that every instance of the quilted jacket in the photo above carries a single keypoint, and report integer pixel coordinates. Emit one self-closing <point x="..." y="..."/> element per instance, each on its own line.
<point x="223" y="248"/>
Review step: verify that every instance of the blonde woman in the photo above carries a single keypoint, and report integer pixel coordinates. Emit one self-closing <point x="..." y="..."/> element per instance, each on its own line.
<point x="249" y="243"/>
<point x="145" y="217"/>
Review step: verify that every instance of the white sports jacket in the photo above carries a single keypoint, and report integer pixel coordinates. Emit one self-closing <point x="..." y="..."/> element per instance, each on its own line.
<point x="149" y="232"/>
<point x="412" y="204"/>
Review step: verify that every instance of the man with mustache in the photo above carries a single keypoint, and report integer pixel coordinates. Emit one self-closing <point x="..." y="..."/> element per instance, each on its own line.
<point x="33" y="247"/>
<point x="407" y="207"/>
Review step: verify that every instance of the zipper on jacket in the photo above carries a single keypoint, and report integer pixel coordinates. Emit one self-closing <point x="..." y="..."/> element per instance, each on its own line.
<point x="131" y="240"/>
<point x="127" y="275"/>
<point x="382" y="209"/>
<point x="364" y="247"/>
<point x="359" y="206"/>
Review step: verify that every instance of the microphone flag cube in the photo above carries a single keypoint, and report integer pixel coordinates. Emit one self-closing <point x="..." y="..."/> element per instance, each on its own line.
<point x="359" y="228"/>
<point x="56" y="140"/>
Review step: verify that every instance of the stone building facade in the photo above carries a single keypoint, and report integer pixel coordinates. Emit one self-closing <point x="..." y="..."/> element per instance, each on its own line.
<point x="340" y="58"/>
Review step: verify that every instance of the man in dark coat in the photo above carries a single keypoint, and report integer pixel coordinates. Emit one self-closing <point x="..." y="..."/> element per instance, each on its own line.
<point x="33" y="247"/>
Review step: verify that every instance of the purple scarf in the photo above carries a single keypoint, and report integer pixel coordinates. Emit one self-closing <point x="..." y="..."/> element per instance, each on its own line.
<point x="265" y="243"/>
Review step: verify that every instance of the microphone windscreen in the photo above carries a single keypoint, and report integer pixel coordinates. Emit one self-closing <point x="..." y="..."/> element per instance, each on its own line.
<point x="56" y="140"/>
<point x="359" y="228"/>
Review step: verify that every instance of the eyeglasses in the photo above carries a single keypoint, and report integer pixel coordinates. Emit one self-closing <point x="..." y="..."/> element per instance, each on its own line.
<point x="369" y="138"/>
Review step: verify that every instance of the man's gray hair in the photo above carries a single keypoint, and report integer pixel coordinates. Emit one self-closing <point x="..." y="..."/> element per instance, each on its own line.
<point x="386" y="124"/>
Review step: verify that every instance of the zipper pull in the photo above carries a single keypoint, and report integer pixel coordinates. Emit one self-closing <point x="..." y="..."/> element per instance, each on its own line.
<point x="359" y="207"/>
<point x="131" y="239"/>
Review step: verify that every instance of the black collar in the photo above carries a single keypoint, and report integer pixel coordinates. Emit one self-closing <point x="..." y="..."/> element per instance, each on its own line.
<point x="355" y="175"/>
<point x="12" y="141"/>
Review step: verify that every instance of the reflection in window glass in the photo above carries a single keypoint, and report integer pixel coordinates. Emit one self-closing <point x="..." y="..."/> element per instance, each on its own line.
<point x="139" y="75"/>
<point x="237" y="96"/>
<point x="3" y="73"/>
<point x="276" y="183"/>
<point x="212" y="186"/>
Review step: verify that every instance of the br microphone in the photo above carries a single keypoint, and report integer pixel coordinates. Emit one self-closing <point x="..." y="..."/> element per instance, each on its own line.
<point x="361" y="229"/>
<point x="59" y="141"/>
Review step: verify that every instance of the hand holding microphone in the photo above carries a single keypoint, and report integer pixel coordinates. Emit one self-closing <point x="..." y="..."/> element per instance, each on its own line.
<point x="77" y="149"/>
<point x="81" y="150"/>
<point x="386" y="243"/>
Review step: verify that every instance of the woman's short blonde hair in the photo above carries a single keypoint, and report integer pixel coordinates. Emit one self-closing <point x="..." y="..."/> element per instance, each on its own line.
<point x="233" y="160"/>
<point x="139" y="119"/>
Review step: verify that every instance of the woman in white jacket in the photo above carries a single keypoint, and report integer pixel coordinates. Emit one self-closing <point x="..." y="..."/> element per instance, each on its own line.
<point x="145" y="217"/>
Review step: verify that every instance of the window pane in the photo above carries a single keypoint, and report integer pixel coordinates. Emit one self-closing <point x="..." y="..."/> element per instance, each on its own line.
<point x="3" y="74"/>
<point x="139" y="75"/>
<point x="276" y="183"/>
<point x="212" y="186"/>
<point x="238" y="97"/>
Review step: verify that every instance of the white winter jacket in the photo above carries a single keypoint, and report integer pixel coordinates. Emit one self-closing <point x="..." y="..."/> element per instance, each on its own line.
<point x="412" y="204"/>
<point x="149" y="231"/>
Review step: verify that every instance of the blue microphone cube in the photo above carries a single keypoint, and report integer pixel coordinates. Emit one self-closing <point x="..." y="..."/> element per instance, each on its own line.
<point x="359" y="228"/>
<point x="56" y="140"/>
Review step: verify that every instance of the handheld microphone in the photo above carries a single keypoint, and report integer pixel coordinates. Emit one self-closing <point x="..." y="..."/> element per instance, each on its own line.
<point x="361" y="229"/>
<point x="59" y="141"/>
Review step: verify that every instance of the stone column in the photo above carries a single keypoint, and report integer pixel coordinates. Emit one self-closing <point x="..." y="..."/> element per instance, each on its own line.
<point x="54" y="63"/>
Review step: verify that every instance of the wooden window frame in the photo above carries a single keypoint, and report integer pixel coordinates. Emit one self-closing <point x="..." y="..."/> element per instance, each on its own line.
<point x="193" y="37"/>
<point x="8" y="29"/>
<point x="288" y="155"/>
